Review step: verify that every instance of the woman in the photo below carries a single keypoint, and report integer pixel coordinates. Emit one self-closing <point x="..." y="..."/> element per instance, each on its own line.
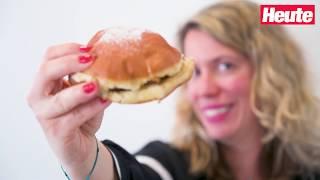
<point x="247" y="113"/>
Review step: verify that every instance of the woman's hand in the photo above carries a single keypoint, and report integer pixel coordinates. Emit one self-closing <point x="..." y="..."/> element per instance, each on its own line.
<point x="71" y="116"/>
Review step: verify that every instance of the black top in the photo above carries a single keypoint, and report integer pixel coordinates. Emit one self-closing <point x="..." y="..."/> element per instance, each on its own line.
<point x="159" y="161"/>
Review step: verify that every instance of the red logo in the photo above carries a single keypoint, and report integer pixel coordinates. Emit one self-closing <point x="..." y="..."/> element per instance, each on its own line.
<point x="287" y="14"/>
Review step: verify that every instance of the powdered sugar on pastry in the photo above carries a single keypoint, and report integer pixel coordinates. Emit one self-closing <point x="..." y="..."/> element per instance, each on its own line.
<point x="119" y="35"/>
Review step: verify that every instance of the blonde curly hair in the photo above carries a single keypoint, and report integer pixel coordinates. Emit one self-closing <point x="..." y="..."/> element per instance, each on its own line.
<point x="281" y="96"/>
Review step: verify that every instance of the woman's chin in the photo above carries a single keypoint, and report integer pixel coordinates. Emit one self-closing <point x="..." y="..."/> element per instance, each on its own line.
<point x="220" y="134"/>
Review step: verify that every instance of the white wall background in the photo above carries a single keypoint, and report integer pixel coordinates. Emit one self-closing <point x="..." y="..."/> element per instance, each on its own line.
<point x="27" y="28"/>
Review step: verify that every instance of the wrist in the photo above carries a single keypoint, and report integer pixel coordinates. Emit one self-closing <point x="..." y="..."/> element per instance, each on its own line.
<point x="84" y="169"/>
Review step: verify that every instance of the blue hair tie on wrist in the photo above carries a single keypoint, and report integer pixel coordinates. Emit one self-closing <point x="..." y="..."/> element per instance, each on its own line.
<point x="93" y="167"/>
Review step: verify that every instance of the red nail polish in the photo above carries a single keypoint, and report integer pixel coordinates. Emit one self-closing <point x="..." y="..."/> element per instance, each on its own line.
<point x="85" y="58"/>
<point x="88" y="88"/>
<point x="85" y="48"/>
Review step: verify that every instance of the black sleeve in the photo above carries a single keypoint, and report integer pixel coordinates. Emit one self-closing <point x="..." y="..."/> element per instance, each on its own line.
<point x="308" y="176"/>
<point x="131" y="169"/>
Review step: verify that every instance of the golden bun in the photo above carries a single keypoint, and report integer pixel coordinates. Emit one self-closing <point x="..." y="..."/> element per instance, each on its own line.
<point x="134" y="66"/>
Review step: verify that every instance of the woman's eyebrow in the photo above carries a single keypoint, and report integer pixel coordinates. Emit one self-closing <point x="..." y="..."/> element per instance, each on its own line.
<point x="220" y="58"/>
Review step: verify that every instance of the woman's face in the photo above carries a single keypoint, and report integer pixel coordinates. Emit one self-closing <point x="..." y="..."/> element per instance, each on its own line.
<point x="220" y="87"/>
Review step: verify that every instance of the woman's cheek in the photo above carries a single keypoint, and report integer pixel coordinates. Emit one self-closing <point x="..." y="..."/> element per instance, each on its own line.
<point x="240" y="85"/>
<point x="190" y="91"/>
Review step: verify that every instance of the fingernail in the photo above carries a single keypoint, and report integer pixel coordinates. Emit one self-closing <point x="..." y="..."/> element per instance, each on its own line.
<point x="103" y="101"/>
<point x="85" y="48"/>
<point x="88" y="88"/>
<point x="85" y="58"/>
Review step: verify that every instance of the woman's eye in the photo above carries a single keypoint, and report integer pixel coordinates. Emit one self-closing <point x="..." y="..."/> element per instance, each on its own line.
<point x="196" y="72"/>
<point x="225" y="66"/>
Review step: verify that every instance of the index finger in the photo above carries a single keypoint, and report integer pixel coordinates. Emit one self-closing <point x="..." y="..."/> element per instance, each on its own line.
<point x="60" y="50"/>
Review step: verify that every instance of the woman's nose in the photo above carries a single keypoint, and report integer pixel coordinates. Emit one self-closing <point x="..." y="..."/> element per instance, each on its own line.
<point x="208" y="85"/>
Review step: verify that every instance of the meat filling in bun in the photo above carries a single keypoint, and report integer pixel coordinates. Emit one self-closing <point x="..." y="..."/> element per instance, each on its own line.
<point x="134" y="66"/>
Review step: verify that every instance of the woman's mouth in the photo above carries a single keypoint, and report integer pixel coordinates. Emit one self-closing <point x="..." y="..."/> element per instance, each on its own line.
<point x="216" y="113"/>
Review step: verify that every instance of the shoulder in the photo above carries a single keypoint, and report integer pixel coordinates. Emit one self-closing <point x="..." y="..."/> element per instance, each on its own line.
<point x="164" y="158"/>
<point x="127" y="165"/>
<point x="159" y="149"/>
<point x="155" y="159"/>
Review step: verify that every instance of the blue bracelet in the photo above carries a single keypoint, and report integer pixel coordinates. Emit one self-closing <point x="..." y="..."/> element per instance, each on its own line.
<point x="93" y="167"/>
